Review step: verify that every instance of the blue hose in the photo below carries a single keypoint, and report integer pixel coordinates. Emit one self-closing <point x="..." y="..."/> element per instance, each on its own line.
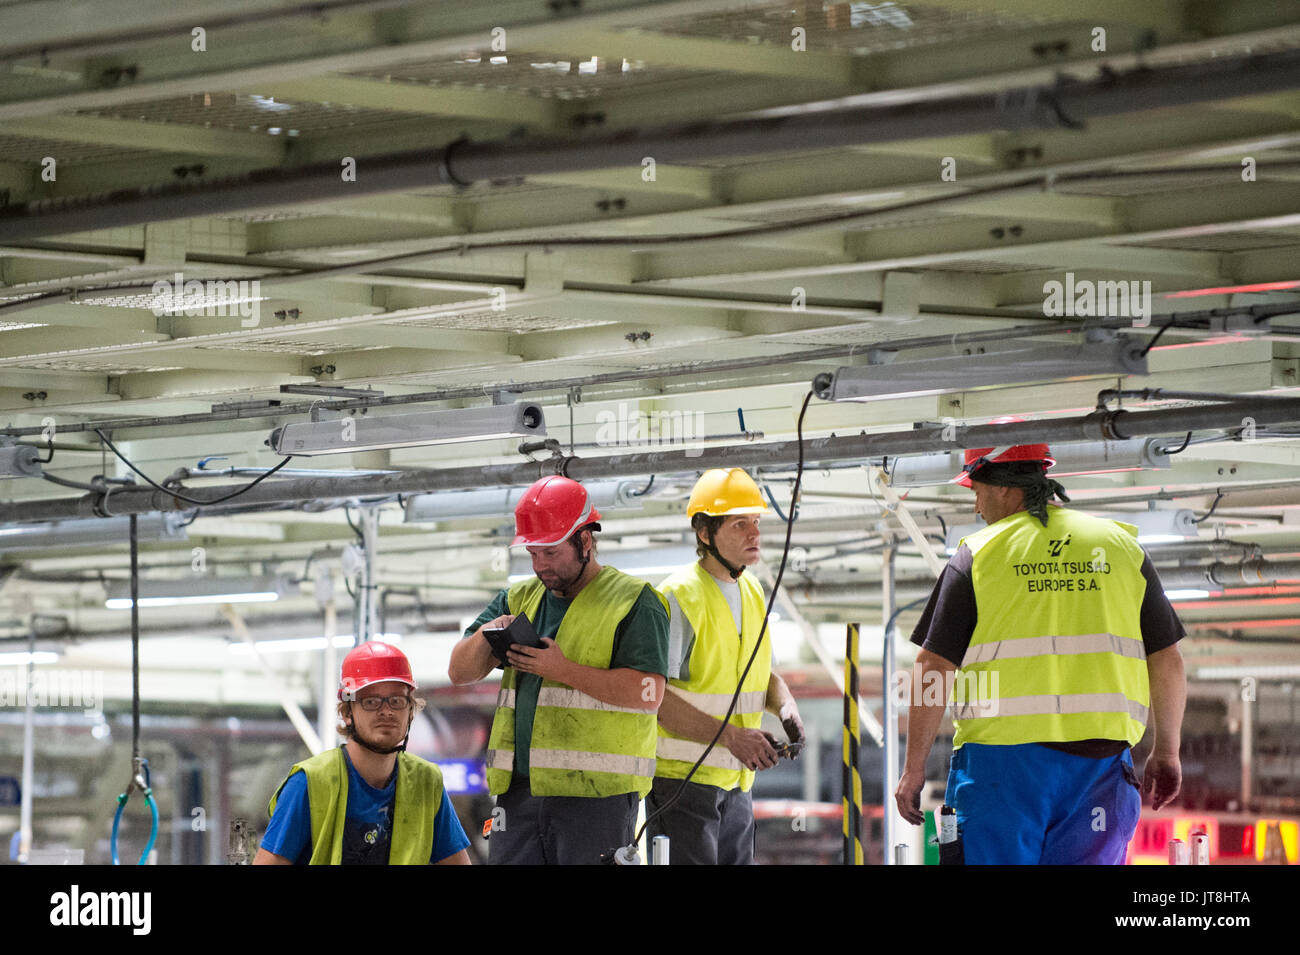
<point x="153" y="831"/>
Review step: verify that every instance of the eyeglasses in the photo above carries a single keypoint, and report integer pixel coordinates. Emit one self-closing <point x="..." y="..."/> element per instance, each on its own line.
<point x="371" y="704"/>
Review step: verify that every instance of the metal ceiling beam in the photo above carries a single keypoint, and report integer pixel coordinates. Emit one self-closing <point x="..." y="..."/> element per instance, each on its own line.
<point x="1099" y="426"/>
<point x="1065" y="104"/>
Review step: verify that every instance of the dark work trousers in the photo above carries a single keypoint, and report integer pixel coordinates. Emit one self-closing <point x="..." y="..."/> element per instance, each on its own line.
<point x="705" y="826"/>
<point x="558" y="830"/>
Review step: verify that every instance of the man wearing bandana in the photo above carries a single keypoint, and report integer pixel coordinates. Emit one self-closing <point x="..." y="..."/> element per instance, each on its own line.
<point x="1053" y="638"/>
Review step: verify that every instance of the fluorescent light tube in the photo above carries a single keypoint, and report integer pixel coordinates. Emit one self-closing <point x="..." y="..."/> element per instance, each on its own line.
<point x="1186" y="594"/>
<point x="296" y="644"/>
<point x="197" y="590"/>
<point x="500" y="502"/>
<point x="884" y="378"/>
<point x="23" y="658"/>
<point x="348" y="433"/>
<point x="92" y="532"/>
<point x="639" y="562"/>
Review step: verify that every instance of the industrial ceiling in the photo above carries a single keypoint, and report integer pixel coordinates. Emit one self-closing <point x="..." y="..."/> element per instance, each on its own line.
<point x="659" y="221"/>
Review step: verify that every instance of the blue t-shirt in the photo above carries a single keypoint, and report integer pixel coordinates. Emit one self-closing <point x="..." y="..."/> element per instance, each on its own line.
<point x="367" y="830"/>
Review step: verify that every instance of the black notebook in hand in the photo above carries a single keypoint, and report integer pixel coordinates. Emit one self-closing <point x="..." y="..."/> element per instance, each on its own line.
<point x="520" y="631"/>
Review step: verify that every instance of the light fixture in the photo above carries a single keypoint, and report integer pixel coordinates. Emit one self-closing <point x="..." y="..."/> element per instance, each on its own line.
<point x="24" y="658"/>
<point x="1186" y="594"/>
<point x="93" y="532"/>
<point x="198" y="590"/>
<point x="347" y="433"/>
<point x="639" y="562"/>
<point x="1157" y="527"/>
<point x="1264" y="672"/>
<point x="883" y="377"/>
<point x="1091" y="457"/>
<point x="498" y="502"/>
<point x="957" y="532"/>
<point x="19" y="460"/>
<point x="296" y="644"/>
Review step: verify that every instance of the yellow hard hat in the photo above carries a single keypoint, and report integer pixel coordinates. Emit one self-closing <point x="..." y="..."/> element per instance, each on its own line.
<point x="721" y="491"/>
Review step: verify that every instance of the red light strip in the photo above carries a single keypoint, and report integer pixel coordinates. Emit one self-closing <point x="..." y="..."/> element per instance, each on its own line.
<point x="1229" y="289"/>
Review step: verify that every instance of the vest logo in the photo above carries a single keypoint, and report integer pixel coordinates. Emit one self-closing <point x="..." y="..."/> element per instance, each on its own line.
<point x="103" y="908"/>
<point x="1054" y="546"/>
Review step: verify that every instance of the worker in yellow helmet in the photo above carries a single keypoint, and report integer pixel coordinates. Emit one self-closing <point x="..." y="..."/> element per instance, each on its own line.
<point x="716" y="613"/>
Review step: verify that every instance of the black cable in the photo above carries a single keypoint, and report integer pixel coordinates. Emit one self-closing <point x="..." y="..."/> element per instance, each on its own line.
<point x="135" y="645"/>
<point x="642" y="492"/>
<point x="65" y="482"/>
<point x="943" y="525"/>
<point x="1182" y="447"/>
<point x="1217" y="498"/>
<point x="1156" y="337"/>
<point x="735" y="697"/>
<point x="176" y="494"/>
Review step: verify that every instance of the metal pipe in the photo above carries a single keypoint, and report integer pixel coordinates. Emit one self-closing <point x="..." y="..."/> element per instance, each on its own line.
<point x="888" y="663"/>
<point x="1097" y="426"/>
<point x="1065" y="104"/>
<point x="25" y="797"/>
<point x="1247" y="744"/>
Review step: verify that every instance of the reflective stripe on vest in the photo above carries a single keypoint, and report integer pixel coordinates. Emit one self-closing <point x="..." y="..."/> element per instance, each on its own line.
<point x="717" y="661"/>
<point x="569" y="698"/>
<point x="568" y="759"/>
<point x="1054" y="646"/>
<point x="716" y="704"/>
<point x="416" y="803"/>
<point x="1040" y="705"/>
<point x="688" y="751"/>
<point x="1057" y="651"/>
<point x="580" y="745"/>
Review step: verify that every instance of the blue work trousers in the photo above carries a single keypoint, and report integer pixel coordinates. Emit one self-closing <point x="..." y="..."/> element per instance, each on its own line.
<point x="1033" y="805"/>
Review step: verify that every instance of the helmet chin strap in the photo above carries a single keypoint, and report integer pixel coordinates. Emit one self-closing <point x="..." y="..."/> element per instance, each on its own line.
<point x="380" y="750"/>
<point x="712" y="548"/>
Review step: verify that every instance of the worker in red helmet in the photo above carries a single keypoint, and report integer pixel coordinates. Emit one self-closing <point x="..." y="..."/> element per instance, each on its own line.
<point x="367" y="802"/>
<point x="1059" y="650"/>
<point x="572" y="747"/>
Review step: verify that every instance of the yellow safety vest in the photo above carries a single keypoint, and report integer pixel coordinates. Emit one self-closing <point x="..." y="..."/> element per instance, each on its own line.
<point x="415" y="806"/>
<point x="717" y="661"/>
<point x="1057" y="651"/>
<point x="581" y="746"/>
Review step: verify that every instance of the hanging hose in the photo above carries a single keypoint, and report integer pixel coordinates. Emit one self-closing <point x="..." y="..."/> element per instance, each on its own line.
<point x="139" y="765"/>
<point x="776" y="585"/>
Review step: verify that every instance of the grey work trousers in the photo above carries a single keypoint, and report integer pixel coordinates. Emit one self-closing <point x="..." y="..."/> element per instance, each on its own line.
<point x="705" y="826"/>
<point x="559" y="830"/>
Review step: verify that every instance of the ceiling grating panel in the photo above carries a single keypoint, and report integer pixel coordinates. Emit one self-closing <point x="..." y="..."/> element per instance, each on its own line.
<point x="25" y="149"/>
<point x="246" y="112"/>
<point x="104" y="367"/>
<point x="565" y="75"/>
<point x="853" y="27"/>
<point x="1223" y="242"/>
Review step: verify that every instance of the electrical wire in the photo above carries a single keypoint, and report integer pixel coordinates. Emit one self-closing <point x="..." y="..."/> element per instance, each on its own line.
<point x="758" y="644"/>
<point x="1156" y="337"/>
<point x="1217" y="498"/>
<point x="1182" y="447"/>
<point x="176" y="494"/>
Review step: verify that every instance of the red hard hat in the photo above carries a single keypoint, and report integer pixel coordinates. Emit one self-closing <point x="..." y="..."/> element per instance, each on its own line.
<point x="373" y="662"/>
<point x="1003" y="455"/>
<point x="551" y="511"/>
